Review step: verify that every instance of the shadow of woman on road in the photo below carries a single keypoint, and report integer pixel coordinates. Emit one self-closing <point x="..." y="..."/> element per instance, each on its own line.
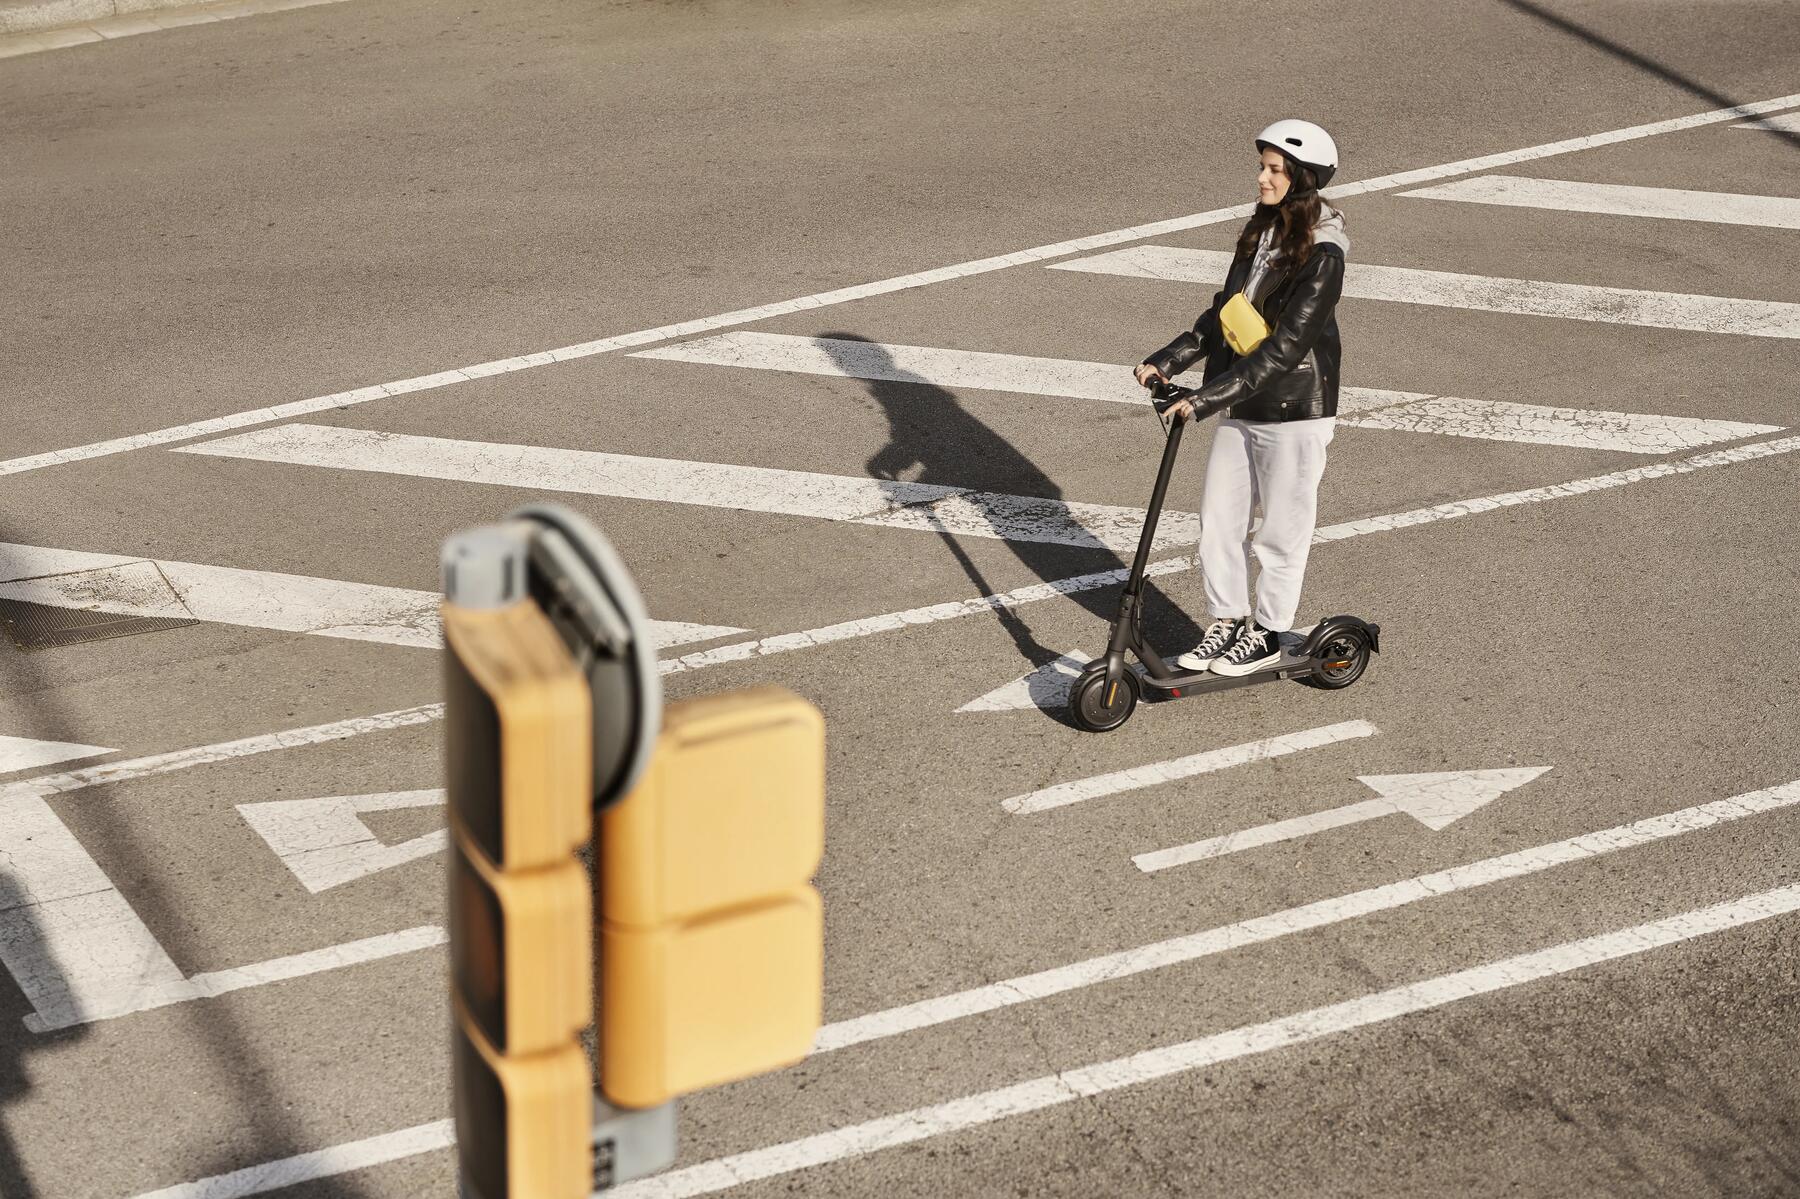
<point x="931" y="433"/>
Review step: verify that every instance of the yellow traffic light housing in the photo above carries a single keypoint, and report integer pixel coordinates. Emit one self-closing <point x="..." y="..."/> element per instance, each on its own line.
<point x="521" y="916"/>
<point x="711" y="935"/>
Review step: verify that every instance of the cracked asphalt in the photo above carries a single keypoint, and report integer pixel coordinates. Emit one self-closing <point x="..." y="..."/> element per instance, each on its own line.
<point x="213" y="220"/>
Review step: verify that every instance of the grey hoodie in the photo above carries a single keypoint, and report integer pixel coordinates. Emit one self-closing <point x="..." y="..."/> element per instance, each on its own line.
<point x="1328" y="230"/>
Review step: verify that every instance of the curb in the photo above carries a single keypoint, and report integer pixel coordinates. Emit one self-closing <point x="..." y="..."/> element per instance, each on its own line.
<point x="71" y="22"/>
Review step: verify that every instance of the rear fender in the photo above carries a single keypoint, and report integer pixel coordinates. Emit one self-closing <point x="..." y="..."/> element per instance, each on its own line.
<point x="1331" y="626"/>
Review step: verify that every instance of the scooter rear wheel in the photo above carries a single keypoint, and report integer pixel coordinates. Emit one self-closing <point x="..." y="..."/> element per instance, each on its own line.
<point x="1342" y="661"/>
<point x="1097" y="711"/>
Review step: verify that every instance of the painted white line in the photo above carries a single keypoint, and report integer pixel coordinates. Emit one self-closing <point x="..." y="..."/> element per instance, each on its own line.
<point x="69" y="938"/>
<point x="224" y="751"/>
<point x="844" y="359"/>
<point x="427" y="1138"/>
<point x="1155" y="773"/>
<point x="321" y="1163"/>
<point x="1193" y="946"/>
<point x="1436" y="800"/>
<point x="926" y="507"/>
<point x="1538" y="495"/>
<point x="238" y="978"/>
<point x="326" y="845"/>
<point x="1046" y="687"/>
<point x="1035" y="592"/>
<point x="1618" y="199"/>
<point x="745" y="316"/>
<point x="1482" y="293"/>
<point x="1577" y="428"/>
<point x="35" y="951"/>
<point x="1359" y="407"/>
<point x="257" y="599"/>
<point x="24" y="753"/>
<point x="1787" y="122"/>
<point x="1051" y="1090"/>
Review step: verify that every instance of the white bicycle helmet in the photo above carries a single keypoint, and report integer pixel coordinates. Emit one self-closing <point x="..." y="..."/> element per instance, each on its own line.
<point x="1305" y="143"/>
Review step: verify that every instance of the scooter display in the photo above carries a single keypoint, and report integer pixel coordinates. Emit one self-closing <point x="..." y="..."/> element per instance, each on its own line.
<point x="1332" y="655"/>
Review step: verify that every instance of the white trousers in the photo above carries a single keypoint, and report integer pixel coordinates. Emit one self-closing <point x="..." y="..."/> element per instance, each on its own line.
<point x="1277" y="464"/>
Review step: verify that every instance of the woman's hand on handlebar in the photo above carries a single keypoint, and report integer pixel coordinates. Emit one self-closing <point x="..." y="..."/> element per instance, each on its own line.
<point x="1148" y="375"/>
<point x="1180" y="410"/>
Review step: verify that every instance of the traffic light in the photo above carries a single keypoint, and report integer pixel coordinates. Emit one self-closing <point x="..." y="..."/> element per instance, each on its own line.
<point x="711" y="935"/>
<point x="551" y="708"/>
<point x="711" y="826"/>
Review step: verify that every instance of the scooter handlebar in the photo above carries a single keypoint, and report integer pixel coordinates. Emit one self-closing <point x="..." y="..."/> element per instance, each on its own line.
<point x="1165" y="395"/>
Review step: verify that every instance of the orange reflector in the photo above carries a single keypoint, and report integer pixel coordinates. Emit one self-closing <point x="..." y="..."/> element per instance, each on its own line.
<point x="1335" y="665"/>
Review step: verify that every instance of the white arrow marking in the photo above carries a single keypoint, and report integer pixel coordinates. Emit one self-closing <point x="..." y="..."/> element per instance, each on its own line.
<point x="1435" y="800"/>
<point x="23" y="753"/>
<point x="1046" y="687"/>
<point x="324" y="843"/>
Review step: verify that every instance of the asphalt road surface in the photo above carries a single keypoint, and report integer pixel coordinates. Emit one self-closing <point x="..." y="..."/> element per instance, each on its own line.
<point x="846" y="294"/>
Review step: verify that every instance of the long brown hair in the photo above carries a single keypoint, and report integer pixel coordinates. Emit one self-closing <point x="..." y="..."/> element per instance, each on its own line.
<point x="1293" y="219"/>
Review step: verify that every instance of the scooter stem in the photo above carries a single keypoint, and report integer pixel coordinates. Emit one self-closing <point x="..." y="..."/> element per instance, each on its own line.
<point x="1153" y="515"/>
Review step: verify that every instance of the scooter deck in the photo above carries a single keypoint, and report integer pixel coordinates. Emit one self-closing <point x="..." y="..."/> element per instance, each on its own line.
<point x="1176" y="686"/>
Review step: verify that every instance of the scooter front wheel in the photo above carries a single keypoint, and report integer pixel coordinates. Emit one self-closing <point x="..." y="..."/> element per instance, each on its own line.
<point x="1100" y="708"/>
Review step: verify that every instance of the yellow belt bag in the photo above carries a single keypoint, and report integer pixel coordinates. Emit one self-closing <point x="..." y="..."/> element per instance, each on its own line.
<point x="1242" y="324"/>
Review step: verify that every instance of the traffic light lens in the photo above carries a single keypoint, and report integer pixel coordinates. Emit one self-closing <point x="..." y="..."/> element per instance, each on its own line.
<point x="478" y="947"/>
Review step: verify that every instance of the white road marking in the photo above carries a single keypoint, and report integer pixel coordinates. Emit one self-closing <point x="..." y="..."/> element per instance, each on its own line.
<point x="324" y="843"/>
<point x="927" y="507"/>
<point x="36" y="950"/>
<point x="1033" y="593"/>
<point x="1538" y="495"/>
<point x="1435" y="800"/>
<point x="1482" y="293"/>
<point x="1151" y="775"/>
<point x="1618" y="199"/>
<point x="440" y="1134"/>
<point x="1358" y="407"/>
<point x="1577" y="428"/>
<point x="16" y="37"/>
<point x="24" y="753"/>
<point x="70" y="939"/>
<point x="1046" y="687"/>
<point x="744" y="316"/>
<point x="320" y="1163"/>
<point x="214" y="983"/>
<point x="257" y="599"/>
<point x="1051" y="1090"/>
<point x="1787" y="122"/>
<point x="1193" y="946"/>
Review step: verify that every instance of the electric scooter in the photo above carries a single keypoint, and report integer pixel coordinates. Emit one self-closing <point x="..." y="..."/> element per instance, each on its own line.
<point x="1333" y="654"/>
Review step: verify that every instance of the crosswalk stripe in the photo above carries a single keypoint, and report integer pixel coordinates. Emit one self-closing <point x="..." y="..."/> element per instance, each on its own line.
<point x="886" y="503"/>
<point x="1618" y="199"/>
<point x="257" y="599"/>
<point x="1482" y="293"/>
<point x="1062" y="377"/>
<point x="744" y="316"/>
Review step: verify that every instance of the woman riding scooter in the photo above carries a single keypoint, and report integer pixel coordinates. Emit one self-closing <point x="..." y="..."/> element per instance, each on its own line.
<point x="1270" y="345"/>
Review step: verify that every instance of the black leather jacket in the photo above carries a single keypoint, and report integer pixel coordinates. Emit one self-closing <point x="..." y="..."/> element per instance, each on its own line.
<point x="1293" y="374"/>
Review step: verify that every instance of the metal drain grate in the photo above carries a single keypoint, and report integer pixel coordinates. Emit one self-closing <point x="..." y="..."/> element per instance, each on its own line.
<point x="40" y="626"/>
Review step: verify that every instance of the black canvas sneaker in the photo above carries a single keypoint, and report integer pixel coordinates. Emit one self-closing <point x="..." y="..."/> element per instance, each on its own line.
<point x="1256" y="648"/>
<point x="1219" y="634"/>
